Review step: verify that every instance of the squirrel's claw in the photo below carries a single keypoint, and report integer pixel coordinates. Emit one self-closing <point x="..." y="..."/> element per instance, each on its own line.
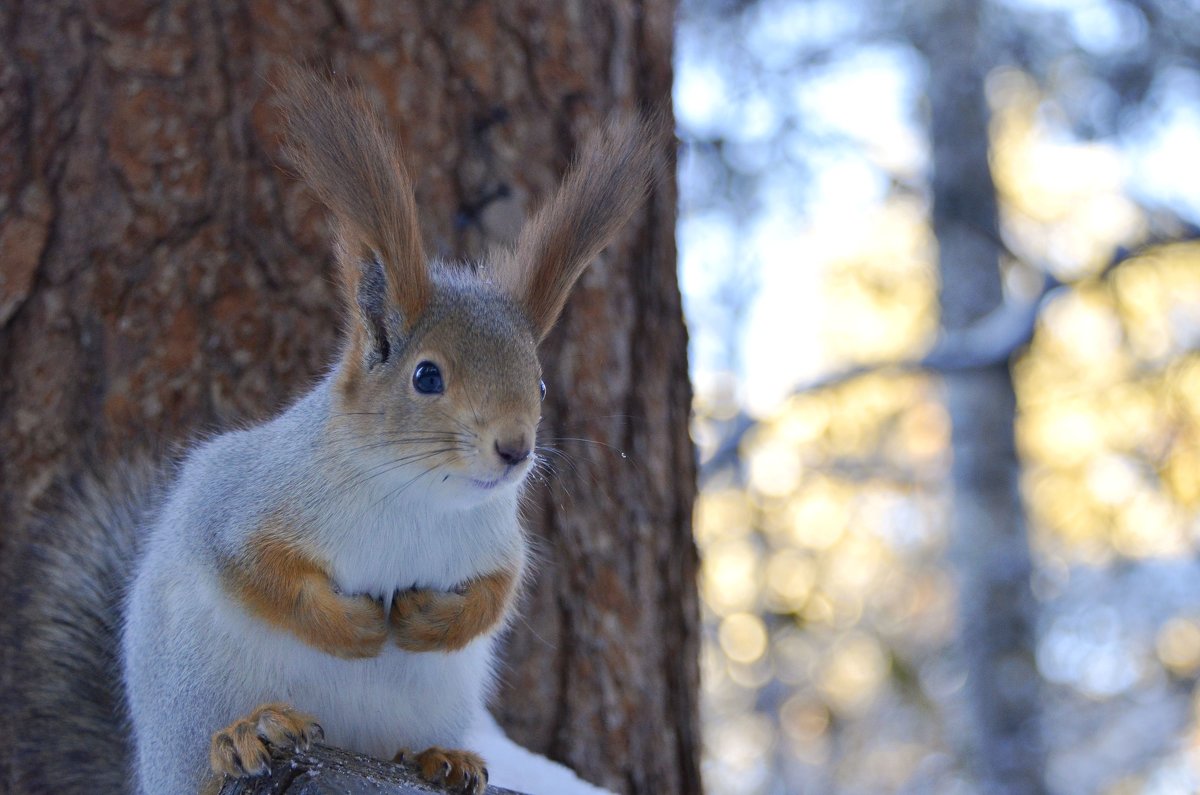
<point x="243" y="747"/>
<point x="459" y="771"/>
<point x="237" y="753"/>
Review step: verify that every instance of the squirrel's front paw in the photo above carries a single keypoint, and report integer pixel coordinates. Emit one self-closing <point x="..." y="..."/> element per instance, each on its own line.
<point x="243" y="747"/>
<point x="351" y="627"/>
<point x="461" y="771"/>
<point x="427" y="620"/>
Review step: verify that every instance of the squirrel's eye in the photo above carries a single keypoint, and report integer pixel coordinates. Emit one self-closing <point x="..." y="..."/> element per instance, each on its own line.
<point x="542" y="386"/>
<point x="427" y="379"/>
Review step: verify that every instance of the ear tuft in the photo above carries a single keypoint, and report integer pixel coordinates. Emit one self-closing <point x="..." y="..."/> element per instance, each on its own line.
<point x="373" y="307"/>
<point x="343" y="153"/>
<point x="610" y="178"/>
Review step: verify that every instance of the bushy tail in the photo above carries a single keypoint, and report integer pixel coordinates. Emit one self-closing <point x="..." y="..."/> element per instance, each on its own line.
<point x="66" y="700"/>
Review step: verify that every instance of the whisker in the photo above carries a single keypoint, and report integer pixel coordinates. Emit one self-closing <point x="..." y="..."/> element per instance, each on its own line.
<point x="361" y="478"/>
<point x="416" y="440"/>
<point x="577" y="420"/>
<point x="459" y="422"/>
<point x="471" y="403"/>
<point x="560" y="455"/>
<point x="553" y="456"/>
<point x="345" y="456"/>
<point x="354" y="432"/>
<point x="400" y="489"/>
<point x="596" y="442"/>
<point x="552" y="479"/>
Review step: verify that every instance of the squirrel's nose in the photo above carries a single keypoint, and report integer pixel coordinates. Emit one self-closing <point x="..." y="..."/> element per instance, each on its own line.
<point x="513" y="451"/>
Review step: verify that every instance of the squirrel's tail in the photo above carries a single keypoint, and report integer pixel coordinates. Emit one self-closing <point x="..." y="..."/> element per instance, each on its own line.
<point x="66" y="700"/>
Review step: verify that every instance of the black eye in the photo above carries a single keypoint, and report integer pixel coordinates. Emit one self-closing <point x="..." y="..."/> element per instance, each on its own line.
<point x="427" y="379"/>
<point x="542" y="386"/>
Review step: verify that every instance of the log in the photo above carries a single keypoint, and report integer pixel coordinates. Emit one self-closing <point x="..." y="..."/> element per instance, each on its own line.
<point x="323" y="770"/>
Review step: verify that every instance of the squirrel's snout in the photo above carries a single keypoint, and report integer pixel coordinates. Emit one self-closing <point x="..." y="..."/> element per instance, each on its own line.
<point x="513" y="451"/>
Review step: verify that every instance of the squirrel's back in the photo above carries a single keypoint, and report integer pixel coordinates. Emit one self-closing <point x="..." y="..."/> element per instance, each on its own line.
<point x="65" y="706"/>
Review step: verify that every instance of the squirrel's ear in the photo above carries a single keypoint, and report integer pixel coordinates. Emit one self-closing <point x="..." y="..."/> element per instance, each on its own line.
<point x="340" y="147"/>
<point x="609" y="179"/>
<point x="376" y="319"/>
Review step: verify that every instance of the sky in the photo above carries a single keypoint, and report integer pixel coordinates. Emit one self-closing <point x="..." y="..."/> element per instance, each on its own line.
<point x="857" y="111"/>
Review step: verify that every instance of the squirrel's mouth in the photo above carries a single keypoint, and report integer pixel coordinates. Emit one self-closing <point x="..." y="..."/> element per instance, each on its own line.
<point x="512" y="474"/>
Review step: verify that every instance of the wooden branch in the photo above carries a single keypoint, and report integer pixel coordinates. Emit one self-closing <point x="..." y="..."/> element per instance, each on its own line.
<point x="324" y="771"/>
<point x="990" y="341"/>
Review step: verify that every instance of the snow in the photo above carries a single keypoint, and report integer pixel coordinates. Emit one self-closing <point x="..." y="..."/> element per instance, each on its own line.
<point x="510" y="765"/>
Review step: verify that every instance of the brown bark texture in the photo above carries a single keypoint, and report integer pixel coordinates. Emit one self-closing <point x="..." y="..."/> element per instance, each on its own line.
<point x="162" y="275"/>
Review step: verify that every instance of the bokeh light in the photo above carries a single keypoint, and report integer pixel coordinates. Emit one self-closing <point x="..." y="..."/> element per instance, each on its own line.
<point x="829" y="595"/>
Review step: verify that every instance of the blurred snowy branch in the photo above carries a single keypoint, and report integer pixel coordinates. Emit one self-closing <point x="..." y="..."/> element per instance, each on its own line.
<point x="991" y="341"/>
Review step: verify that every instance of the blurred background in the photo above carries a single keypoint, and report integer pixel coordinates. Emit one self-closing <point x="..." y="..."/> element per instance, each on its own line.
<point x="941" y="273"/>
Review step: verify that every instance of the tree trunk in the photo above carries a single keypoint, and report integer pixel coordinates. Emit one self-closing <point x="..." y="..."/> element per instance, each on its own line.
<point x="162" y="274"/>
<point x="996" y="613"/>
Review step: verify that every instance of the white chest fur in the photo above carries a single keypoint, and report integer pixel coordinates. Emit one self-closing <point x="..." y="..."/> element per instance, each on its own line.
<point x="391" y="546"/>
<point x="376" y="706"/>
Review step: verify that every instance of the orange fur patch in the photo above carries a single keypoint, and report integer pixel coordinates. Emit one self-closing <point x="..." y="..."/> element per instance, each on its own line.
<point x="612" y="175"/>
<point x="461" y="771"/>
<point x="427" y="620"/>
<point x="277" y="581"/>
<point x="243" y="747"/>
<point x="342" y="149"/>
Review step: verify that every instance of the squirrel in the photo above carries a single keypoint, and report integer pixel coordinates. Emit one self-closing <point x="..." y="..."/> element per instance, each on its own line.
<point x="342" y="571"/>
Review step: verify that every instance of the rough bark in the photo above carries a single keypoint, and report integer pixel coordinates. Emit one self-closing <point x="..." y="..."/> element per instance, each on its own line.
<point x="996" y="612"/>
<point x="162" y="274"/>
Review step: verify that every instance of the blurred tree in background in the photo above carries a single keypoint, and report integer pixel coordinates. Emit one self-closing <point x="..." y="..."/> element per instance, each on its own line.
<point x="940" y="273"/>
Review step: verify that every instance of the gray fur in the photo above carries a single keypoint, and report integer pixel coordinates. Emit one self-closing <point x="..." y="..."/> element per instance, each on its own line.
<point x="67" y="703"/>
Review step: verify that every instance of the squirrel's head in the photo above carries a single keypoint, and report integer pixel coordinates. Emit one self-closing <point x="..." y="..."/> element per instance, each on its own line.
<point x="438" y="391"/>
